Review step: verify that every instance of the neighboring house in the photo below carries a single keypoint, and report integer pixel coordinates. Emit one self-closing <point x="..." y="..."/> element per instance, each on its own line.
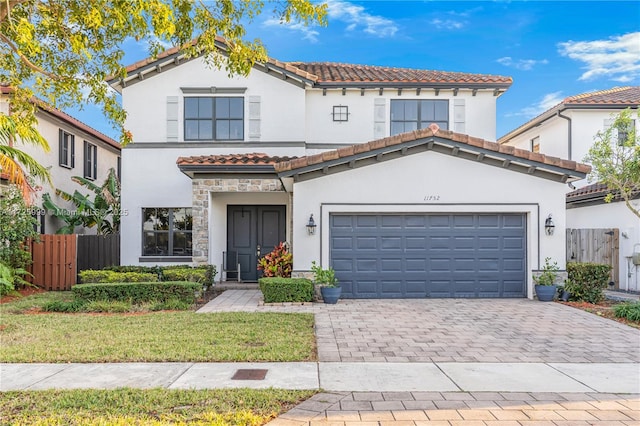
<point x="75" y="150"/>
<point x="404" y="202"/>
<point x="567" y="130"/>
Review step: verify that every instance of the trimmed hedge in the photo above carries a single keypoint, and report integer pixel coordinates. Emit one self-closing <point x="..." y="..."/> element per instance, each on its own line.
<point x="140" y="292"/>
<point x="276" y="289"/>
<point x="166" y="273"/>
<point x="105" y="276"/>
<point x="587" y="281"/>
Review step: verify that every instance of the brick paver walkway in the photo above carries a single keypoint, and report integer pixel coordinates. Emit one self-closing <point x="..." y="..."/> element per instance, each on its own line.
<point x="454" y="330"/>
<point x="464" y="409"/>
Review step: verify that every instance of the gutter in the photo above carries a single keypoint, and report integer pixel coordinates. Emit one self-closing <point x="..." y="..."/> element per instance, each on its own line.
<point x="569" y="150"/>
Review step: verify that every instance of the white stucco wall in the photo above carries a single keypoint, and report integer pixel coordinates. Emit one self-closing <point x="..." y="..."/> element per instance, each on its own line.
<point x="401" y="185"/>
<point x="614" y="215"/>
<point x="152" y="179"/>
<point x="553" y="133"/>
<point x="479" y="116"/>
<point x="281" y="103"/>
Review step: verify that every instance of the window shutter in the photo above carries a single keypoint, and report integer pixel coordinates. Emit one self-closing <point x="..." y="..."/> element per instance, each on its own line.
<point x="379" y="118"/>
<point x="87" y="160"/>
<point x="172" y="119"/>
<point x="459" y="116"/>
<point x="95" y="162"/>
<point x="254" y="117"/>
<point x="72" y="142"/>
<point x="61" y="160"/>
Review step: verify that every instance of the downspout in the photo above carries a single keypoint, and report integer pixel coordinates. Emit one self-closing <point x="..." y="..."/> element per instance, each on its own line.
<point x="568" y="133"/>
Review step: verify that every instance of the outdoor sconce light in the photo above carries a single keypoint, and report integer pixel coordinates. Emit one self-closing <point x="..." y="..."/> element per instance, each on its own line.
<point x="549" y="226"/>
<point x="311" y="225"/>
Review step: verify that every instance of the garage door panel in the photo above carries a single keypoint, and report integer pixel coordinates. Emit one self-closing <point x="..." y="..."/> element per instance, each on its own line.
<point x="429" y="255"/>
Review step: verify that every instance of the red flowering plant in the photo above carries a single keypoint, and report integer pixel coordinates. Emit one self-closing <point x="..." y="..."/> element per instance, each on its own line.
<point x="278" y="263"/>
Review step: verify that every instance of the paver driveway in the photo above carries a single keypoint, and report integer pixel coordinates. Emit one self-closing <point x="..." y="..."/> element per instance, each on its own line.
<point x="456" y="330"/>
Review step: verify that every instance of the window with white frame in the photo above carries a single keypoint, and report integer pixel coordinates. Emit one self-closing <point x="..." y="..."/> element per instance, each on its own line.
<point x="412" y="114"/>
<point x="213" y="118"/>
<point x="167" y="231"/>
<point x="90" y="161"/>
<point x="625" y="131"/>
<point x="66" y="149"/>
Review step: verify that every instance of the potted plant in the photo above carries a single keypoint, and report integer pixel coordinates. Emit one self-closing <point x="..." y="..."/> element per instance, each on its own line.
<point x="326" y="279"/>
<point x="546" y="281"/>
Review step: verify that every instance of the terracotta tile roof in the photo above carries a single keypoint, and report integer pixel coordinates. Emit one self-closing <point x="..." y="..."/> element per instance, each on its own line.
<point x="349" y="73"/>
<point x="433" y="131"/>
<point x="68" y="119"/>
<point x="593" y="190"/>
<point x="329" y="72"/>
<point x="253" y="159"/>
<point x="617" y="97"/>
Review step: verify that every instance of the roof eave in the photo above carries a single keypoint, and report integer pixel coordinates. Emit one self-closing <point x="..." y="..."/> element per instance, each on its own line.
<point x="411" y="84"/>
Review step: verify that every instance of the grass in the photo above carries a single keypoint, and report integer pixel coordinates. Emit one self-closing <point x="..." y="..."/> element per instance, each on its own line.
<point x="150" y="337"/>
<point x="146" y="407"/>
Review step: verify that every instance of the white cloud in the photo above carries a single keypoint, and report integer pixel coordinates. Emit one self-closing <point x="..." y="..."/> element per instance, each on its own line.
<point x="357" y="18"/>
<point x="447" y="24"/>
<point x="521" y="64"/>
<point x="617" y="58"/>
<point x="308" y="33"/>
<point x="547" y="102"/>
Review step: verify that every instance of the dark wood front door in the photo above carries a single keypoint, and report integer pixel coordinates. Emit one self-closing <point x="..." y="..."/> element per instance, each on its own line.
<point x="252" y="231"/>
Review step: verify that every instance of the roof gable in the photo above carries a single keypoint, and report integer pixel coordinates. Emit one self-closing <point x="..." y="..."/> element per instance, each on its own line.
<point x="616" y="98"/>
<point x="438" y="140"/>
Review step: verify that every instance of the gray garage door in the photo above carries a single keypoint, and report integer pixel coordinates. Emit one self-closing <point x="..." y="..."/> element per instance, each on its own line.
<point x="429" y="255"/>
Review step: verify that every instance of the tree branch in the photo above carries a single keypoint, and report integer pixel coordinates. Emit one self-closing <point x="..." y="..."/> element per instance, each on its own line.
<point x="26" y="60"/>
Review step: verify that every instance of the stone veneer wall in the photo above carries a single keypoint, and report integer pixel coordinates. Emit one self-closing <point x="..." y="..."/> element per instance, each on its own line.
<point x="201" y="188"/>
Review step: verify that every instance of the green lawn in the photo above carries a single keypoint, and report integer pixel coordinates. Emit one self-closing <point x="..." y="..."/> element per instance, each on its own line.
<point x="146" y="407"/>
<point x="152" y="337"/>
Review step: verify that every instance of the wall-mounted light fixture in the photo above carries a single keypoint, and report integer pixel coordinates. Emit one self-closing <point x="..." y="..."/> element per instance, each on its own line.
<point x="549" y="226"/>
<point x="311" y="225"/>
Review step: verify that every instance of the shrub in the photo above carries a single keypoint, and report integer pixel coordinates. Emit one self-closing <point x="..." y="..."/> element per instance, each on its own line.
<point x="277" y="263"/>
<point x="135" y="268"/>
<point x="112" y="306"/>
<point x="587" y="281"/>
<point x="139" y="292"/>
<point x="630" y="311"/>
<point x="75" y="305"/>
<point x="276" y="289"/>
<point x="323" y="277"/>
<point x="16" y="226"/>
<point x="106" y="276"/>
<point x="548" y="274"/>
<point x="200" y="275"/>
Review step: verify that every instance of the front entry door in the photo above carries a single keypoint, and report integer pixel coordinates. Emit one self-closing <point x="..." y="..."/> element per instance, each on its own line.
<point x="252" y="231"/>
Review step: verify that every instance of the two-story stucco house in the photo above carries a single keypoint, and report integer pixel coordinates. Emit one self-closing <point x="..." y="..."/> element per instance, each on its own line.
<point x="568" y="130"/>
<point x="404" y="203"/>
<point x="76" y="149"/>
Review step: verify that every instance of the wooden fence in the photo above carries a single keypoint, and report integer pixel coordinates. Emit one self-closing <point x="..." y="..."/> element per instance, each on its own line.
<point x="596" y="246"/>
<point x="57" y="259"/>
<point x="54" y="262"/>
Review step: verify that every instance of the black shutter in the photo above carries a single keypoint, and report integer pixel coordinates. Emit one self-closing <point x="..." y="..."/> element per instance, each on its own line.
<point x="85" y="163"/>
<point x="61" y="159"/>
<point x="72" y="142"/>
<point x="95" y="162"/>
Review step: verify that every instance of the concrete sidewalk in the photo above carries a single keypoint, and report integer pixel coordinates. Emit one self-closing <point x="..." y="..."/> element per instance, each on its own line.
<point x="332" y="376"/>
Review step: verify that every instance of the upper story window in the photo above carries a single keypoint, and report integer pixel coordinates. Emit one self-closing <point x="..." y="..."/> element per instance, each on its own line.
<point x="412" y="114"/>
<point x="66" y="149"/>
<point x="90" y="160"/>
<point x="167" y="231"/>
<point x="625" y="131"/>
<point x="213" y="118"/>
<point x="535" y="144"/>
<point x="340" y="113"/>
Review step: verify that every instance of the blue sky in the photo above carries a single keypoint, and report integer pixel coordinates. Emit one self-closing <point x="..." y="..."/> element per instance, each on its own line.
<point x="551" y="49"/>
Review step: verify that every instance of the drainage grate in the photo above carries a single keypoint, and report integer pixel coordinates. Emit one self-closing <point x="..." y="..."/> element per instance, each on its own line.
<point x="250" y="374"/>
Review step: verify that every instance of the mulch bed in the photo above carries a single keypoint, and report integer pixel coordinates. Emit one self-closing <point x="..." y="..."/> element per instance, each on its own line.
<point x="22" y="292"/>
<point x="603" y="309"/>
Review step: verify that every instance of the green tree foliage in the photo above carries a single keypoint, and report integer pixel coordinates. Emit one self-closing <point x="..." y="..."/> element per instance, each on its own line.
<point x="62" y="51"/>
<point x="615" y="160"/>
<point x="16" y="225"/>
<point x="103" y="211"/>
